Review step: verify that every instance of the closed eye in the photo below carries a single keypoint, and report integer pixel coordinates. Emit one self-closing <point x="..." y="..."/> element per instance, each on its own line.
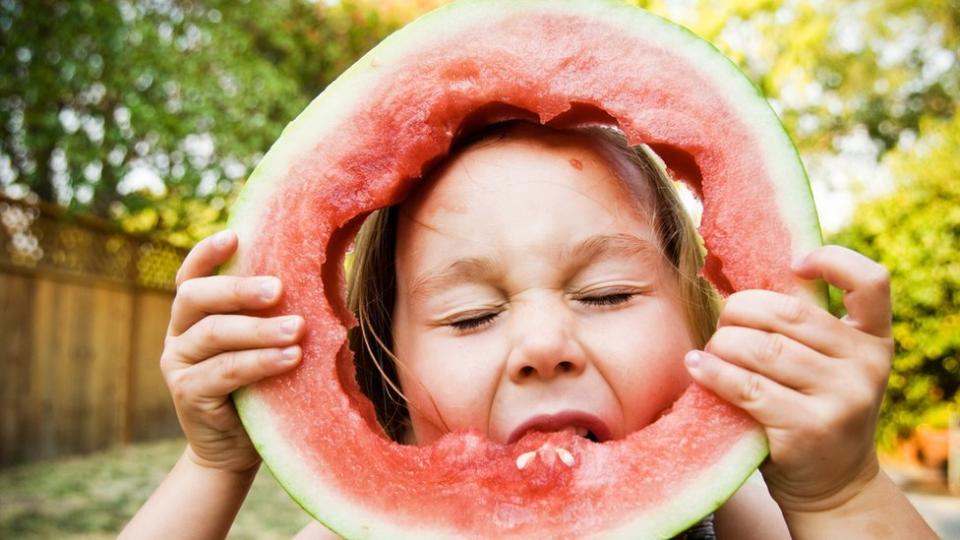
<point x="474" y="322"/>
<point x="479" y="321"/>
<point x="606" y="299"/>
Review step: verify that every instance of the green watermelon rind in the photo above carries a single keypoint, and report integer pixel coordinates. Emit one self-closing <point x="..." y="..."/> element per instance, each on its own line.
<point x="336" y="103"/>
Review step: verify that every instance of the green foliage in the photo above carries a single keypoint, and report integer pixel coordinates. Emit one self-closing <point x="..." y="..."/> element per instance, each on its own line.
<point x="915" y="233"/>
<point x="832" y="66"/>
<point x="186" y="95"/>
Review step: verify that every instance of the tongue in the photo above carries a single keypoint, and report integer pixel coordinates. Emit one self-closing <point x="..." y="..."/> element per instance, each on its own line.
<point x="575" y="430"/>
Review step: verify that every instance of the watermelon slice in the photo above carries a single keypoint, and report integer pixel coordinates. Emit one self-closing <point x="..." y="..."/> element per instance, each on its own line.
<point x="361" y="144"/>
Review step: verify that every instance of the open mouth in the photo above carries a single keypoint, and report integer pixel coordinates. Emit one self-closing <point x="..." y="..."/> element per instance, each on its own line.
<point x="581" y="424"/>
<point x="577" y="430"/>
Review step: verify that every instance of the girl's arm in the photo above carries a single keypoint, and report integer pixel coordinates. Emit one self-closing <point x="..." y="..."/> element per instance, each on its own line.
<point x="211" y="350"/>
<point x="751" y="513"/>
<point x="815" y="383"/>
<point x="877" y="510"/>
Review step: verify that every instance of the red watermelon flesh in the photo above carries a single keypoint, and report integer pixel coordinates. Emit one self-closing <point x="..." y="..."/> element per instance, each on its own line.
<point x="361" y="144"/>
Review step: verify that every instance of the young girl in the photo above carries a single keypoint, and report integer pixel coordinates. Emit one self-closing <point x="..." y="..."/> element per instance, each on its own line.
<point x="545" y="279"/>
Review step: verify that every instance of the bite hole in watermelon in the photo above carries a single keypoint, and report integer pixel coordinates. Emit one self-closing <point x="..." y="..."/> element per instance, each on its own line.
<point x="373" y="281"/>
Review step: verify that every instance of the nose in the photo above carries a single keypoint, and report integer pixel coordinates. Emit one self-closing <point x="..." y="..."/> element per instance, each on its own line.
<point x="544" y="346"/>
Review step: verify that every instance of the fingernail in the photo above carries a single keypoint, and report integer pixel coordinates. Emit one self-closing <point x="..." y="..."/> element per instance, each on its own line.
<point x="289" y="325"/>
<point x="221" y="239"/>
<point x="290" y="355"/>
<point x="269" y="287"/>
<point x="692" y="359"/>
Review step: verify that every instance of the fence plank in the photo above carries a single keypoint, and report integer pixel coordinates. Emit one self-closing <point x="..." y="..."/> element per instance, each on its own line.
<point x="111" y="348"/>
<point x="16" y="309"/>
<point x="42" y="434"/>
<point x="152" y="413"/>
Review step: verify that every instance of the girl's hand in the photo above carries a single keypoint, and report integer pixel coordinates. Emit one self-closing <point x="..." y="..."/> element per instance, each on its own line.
<point x="210" y="351"/>
<point x="815" y="382"/>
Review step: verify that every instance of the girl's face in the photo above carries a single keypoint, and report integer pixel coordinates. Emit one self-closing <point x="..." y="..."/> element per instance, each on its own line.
<point x="532" y="295"/>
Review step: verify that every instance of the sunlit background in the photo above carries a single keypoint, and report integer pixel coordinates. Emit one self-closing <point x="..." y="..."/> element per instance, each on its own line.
<point x="128" y="128"/>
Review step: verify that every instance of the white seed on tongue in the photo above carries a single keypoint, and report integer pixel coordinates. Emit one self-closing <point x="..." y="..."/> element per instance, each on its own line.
<point x="524" y="459"/>
<point x="546" y="456"/>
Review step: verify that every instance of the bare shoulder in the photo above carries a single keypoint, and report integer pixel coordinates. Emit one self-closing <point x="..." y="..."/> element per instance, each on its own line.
<point x="315" y="531"/>
<point x="751" y="513"/>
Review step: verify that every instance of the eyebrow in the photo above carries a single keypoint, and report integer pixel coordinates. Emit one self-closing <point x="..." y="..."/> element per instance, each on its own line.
<point x="485" y="268"/>
<point x="610" y="245"/>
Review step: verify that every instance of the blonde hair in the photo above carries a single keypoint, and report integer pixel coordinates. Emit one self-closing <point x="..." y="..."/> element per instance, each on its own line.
<point x="371" y="280"/>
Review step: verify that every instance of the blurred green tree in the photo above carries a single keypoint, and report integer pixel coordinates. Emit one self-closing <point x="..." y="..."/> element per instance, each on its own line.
<point x="829" y="67"/>
<point x="915" y="232"/>
<point x="153" y="112"/>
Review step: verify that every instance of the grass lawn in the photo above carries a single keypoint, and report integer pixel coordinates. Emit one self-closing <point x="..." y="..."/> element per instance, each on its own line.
<point x="94" y="496"/>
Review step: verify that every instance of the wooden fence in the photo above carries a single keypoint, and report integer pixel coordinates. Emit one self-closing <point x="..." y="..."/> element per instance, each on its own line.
<point x="83" y="312"/>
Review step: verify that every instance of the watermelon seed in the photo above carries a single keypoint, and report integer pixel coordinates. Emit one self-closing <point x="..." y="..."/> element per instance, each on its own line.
<point x="524" y="459"/>
<point x="566" y="457"/>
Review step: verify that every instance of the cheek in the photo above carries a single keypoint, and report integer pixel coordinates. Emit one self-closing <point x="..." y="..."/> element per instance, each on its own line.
<point x="641" y="356"/>
<point x="449" y="382"/>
